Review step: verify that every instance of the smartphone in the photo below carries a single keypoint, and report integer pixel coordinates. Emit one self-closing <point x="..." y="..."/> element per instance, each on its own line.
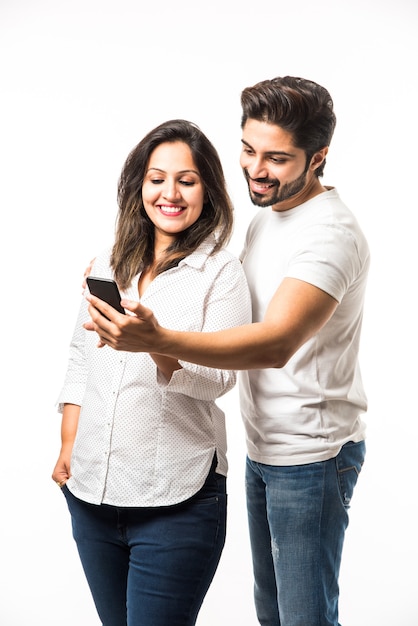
<point x="106" y="289"/>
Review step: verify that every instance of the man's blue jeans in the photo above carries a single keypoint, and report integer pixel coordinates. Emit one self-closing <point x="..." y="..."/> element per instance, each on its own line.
<point x="151" y="567"/>
<point x="297" y="521"/>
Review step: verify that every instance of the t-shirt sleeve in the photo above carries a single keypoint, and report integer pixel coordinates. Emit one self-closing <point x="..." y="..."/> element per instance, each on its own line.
<point x="327" y="257"/>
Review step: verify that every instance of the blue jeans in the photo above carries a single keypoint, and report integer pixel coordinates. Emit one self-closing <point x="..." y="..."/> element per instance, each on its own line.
<point x="151" y="566"/>
<point x="297" y="521"/>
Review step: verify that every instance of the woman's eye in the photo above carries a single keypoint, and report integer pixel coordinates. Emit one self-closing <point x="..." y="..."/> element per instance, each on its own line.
<point x="187" y="183"/>
<point x="156" y="181"/>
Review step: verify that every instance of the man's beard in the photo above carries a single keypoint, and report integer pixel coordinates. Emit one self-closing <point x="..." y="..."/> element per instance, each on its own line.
<point x="279" y="192"/>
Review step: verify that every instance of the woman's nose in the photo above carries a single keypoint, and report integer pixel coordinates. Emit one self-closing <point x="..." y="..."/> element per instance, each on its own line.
<point x="171" y="191"/>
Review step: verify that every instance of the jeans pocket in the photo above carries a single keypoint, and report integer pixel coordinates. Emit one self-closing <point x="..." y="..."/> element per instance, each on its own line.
<point x="349" y="462"/>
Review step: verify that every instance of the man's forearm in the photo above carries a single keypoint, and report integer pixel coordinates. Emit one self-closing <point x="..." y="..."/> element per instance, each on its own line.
<point x="239" y="348"/>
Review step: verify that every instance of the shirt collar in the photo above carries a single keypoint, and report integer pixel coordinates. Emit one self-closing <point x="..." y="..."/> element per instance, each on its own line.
<point x="198" y="258"/>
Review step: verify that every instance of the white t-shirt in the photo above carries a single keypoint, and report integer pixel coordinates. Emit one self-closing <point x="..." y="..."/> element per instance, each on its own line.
<point x="305" y="411"/>
<point x="142" y="441"/>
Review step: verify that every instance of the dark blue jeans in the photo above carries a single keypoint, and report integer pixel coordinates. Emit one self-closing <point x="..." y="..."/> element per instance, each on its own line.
<point x="151" y="566"/>
<point x="297" y="519"/>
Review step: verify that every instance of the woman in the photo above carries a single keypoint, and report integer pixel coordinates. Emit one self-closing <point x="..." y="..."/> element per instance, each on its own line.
<point x="143" y="458"/>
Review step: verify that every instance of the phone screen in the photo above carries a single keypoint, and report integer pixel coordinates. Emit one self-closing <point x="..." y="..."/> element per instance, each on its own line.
<point x="106" y="289"/>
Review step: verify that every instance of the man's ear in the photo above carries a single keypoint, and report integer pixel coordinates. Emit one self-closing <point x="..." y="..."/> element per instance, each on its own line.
<point x="318" y="158"/>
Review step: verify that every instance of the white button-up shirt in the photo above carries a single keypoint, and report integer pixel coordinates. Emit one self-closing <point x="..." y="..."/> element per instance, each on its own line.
<point x="143" y="441"/>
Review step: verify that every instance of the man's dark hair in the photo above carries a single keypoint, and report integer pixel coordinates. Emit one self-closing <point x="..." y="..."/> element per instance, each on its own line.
<point x="299" y="106"/>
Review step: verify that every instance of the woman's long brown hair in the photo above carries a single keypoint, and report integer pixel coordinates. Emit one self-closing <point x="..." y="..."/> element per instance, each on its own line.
<point x="133" y="250"/>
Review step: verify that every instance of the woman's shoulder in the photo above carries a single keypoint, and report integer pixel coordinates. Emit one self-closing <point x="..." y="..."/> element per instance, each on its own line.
<point x="222" y="255"/>
<point x="101" y="264"/>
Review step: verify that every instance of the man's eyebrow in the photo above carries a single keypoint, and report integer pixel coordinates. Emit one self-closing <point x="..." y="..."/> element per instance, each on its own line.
<point x="271" y="152"/>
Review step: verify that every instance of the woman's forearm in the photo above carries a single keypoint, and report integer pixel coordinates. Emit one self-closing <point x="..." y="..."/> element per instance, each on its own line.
<point x="69" y="425"/>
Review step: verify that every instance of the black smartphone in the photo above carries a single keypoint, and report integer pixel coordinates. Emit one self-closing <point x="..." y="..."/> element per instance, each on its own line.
<point x="106" y="289"/>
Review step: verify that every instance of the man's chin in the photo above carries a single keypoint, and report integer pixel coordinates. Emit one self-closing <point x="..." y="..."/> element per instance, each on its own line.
<point x="261" y="200"/>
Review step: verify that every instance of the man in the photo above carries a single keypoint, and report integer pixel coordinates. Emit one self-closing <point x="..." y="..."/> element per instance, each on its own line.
<point x="301" y="393"/>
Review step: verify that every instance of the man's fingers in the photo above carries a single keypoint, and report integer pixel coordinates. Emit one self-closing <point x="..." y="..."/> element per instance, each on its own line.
<point x="138" y="309"/>
<point x="104" y="309"/>
<point x="129" y="332"/>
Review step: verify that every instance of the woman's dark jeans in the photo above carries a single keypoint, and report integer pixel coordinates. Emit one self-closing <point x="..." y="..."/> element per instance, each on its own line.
<point x="151" y="566"/>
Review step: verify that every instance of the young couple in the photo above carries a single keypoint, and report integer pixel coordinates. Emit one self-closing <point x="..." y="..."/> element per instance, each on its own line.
<point x="142" y="462"/>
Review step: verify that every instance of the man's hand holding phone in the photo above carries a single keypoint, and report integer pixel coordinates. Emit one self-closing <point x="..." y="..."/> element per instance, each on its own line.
<point x="137" y="332"/>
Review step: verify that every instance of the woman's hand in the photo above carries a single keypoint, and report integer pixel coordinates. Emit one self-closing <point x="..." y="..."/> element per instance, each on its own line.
<point x="62" y="471"/>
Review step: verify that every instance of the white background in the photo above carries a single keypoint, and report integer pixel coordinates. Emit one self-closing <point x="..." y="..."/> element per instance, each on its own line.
<point x="81" y="82"/>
